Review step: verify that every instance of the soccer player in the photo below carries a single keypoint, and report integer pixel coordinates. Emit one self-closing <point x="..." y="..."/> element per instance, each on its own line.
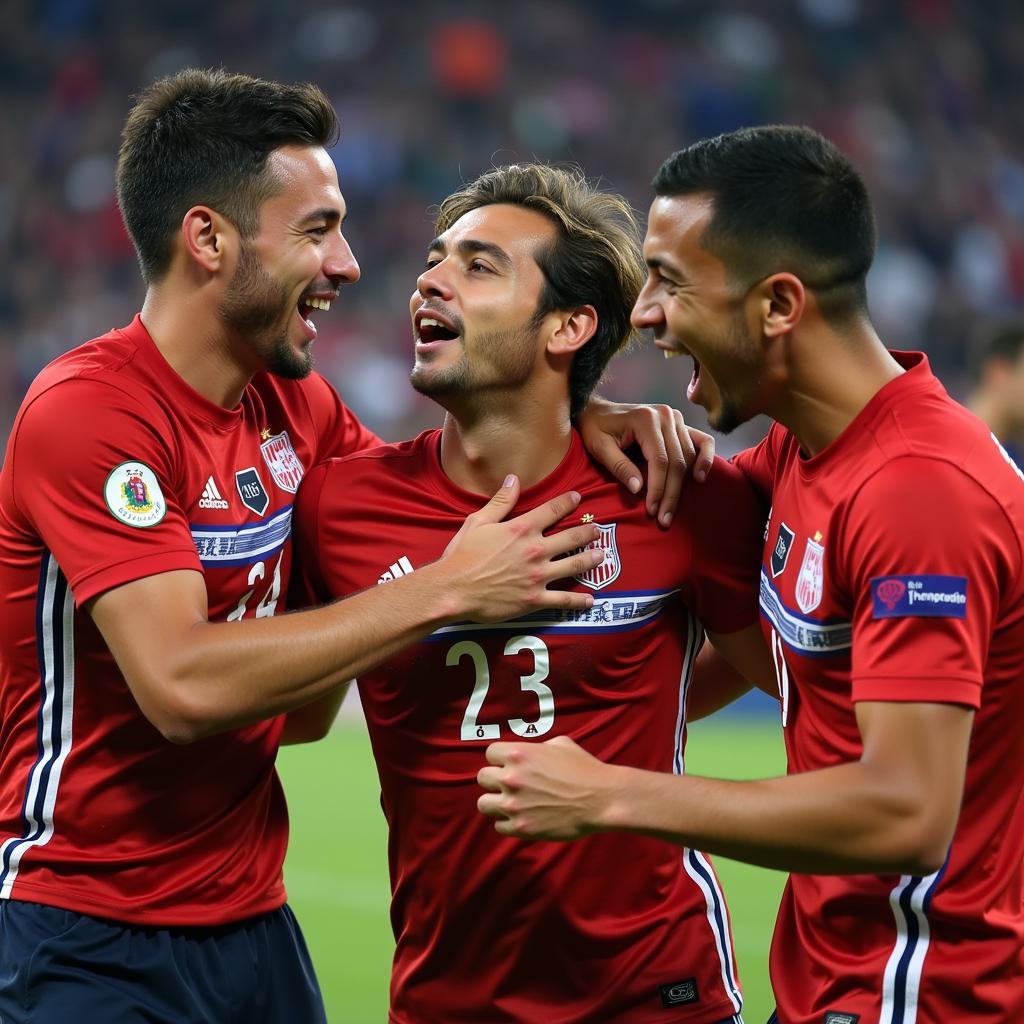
<point x="892" y="596"/>
<point x="997" y="392"/>
<point x="525" y="297"/>
<point x="145" y="534"/>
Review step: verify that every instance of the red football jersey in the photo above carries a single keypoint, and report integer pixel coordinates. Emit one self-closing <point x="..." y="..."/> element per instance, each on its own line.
<point x="611" y="928"/>
<point x="893" y="571"/>
<point x="116" y="470"/>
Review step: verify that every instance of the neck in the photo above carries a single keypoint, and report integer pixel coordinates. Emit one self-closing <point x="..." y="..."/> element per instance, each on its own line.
<point x="197" y="346"/>
<point x="830" y="378"/>
<point x="988" y="409"/>
<point x="528" y="438"/>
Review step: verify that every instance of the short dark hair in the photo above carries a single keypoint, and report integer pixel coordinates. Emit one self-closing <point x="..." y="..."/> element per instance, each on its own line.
<point x="1000" y="340"/>
<point x="594" y="260"/>
<point x="202" y="136"/>
<point x="784" y="199"/>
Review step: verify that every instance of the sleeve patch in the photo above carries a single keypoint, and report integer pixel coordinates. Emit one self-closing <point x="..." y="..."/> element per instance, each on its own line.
<point x="899" y="597"/>
<point x="132" y="493"/>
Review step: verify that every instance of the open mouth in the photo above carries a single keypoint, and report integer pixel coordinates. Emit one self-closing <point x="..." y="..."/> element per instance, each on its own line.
<point x="306" y="306"/>
<point x="430" y="330"/>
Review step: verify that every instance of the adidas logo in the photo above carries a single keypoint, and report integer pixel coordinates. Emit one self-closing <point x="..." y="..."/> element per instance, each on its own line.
<point x="211" y="496"/>
<point x="400" y="568"/>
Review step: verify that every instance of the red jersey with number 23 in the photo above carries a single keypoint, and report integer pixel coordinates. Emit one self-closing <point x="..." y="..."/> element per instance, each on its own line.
<point x="116" y="470"/>
<point x="613" y="927"/>
<point x="894" y="571"/>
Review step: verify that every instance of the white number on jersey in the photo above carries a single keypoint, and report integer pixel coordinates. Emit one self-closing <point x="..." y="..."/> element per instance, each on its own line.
<point x="268" y="603"/>
<point x="533" y="683"/>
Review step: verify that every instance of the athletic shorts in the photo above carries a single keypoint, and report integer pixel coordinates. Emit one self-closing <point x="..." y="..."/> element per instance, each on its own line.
<point x="61" y="967"/>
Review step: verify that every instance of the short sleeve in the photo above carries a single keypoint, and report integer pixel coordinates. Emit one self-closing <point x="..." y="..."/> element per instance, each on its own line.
<point x="339" y="431"/>
<point x="927" y="551"/>
<point x="725" y="518"/>
<point x="96" y="482"/>
<point x="758" y="463"/>
<point x="307" y="586"/>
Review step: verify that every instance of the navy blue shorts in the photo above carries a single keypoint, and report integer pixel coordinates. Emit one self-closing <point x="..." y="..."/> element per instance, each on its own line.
<point x="60" y="967"/>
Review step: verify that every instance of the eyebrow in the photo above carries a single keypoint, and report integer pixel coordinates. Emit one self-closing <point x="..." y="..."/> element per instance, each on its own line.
<point x="326" y="213"/>
<point x="470" y="246"/>
<point x="656" y="263"/>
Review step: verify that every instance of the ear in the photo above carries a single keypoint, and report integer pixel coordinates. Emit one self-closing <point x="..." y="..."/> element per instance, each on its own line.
<point x="782" y="303"/>
<point x="207" y="238"/>
<point x="575" y="327"/>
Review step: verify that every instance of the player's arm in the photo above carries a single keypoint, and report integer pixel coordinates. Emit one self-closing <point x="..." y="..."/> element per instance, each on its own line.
<point x="669" y="448"/>
<point x="892" y="811"/>
<point x="726" y="668"/>
<point x="313" y="721"/>
<point x="192" y="677"/>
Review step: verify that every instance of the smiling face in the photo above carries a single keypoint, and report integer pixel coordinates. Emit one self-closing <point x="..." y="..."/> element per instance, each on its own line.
<point x="295" y="264"/>
<point x="474" y="305"/>
<point x="694" y="309"/>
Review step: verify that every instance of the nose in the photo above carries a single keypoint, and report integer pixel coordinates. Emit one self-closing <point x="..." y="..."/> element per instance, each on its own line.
<point x="646" y="311"/>
<point x="340" y="263"/>
<point x="434" y="282"/>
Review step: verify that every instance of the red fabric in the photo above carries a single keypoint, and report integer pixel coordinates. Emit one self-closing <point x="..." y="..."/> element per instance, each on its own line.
<point x="915" y="486"/>
<point x="98" y="813"/>
<point x="492" y="928"/>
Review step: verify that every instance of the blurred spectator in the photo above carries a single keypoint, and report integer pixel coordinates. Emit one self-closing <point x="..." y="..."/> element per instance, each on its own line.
<point x="925" y="95"/>
<point x="997" y="383"/>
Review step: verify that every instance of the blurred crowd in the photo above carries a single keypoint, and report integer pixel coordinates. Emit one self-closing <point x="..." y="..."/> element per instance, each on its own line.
<point x="924" y="95"/>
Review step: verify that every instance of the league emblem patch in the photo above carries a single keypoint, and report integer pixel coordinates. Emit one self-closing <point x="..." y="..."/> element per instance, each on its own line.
<point x="811" y="581"/>
<point x="283" y="463"/>
<point x="780" y="553"/>
<point x="927" y="595"/>
<point x="132" y="493"/>
<point x="608" y="571"/>
<point x="251" y="490"/>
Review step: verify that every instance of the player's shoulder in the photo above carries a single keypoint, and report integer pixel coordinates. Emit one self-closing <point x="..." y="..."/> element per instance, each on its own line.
<point x="404" y="462"/>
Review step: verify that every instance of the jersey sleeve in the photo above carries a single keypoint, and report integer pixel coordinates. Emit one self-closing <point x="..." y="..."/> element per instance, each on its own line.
<point x="307" y="587"/>
<point x="725" y="520"/>
<point x="758" y="463"/>
<point x="927" y="551"/>
<point x="339" y="431"/>
<point x="96" y="481"/>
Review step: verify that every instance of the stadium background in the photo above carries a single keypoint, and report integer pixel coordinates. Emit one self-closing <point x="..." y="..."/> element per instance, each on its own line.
<point x="924" y="95"/>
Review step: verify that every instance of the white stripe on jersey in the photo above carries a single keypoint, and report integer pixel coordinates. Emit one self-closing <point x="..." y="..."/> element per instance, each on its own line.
<point x="902" y="981"/>
<point x="697" y="866"/>
<point x="803" y="634"/>
<point x="240" y="545"/>
<point x="58" y="679"/>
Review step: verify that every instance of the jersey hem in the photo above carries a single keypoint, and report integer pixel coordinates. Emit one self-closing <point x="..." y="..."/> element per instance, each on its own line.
<point x="929" y="690"/>
<point x="202" y="917"/>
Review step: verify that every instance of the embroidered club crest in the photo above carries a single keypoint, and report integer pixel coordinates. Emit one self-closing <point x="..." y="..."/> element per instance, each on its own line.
<point x="251" y="490"/>
<point x="133" y="495"/>
<point x="608" y="570"/>
<point x="283" y="463"/>
<point x="810" y="582"/>
<point x="780" y="553"/>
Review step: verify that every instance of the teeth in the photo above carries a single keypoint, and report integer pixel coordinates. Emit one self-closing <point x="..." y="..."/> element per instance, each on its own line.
<point x="314" y="303"/>
<point x="671" y="353"/>
<point x="427" y="322"/>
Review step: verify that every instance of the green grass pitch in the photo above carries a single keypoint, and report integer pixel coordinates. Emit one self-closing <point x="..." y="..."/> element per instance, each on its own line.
<point x="337" y="880"/>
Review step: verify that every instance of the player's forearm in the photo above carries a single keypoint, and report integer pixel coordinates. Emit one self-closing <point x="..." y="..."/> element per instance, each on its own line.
<point x="841" y="820"/>
<point x="193" y="680"/>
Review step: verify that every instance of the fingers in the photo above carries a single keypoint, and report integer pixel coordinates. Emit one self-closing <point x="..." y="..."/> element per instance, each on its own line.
<point x="573" y="539"/>
<point x="551" y="512"/>
<point x="503" y="501"/>
<point x="705" y="444"/>
<point x="678" y="457"/>
<point x="605" y="449"/>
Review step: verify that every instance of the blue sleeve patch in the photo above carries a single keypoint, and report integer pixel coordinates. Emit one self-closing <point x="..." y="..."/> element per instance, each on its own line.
<point x="900" y="597"/>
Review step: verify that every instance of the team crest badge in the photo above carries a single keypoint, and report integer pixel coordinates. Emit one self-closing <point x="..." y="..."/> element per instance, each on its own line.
<point x="810" y="582"/>
<point x="251" y="490"/>
<point x="132" y="493"/>
<point x="780" y="553"/>
<point x="283" y="463"/>
<point x="608" y="570"/>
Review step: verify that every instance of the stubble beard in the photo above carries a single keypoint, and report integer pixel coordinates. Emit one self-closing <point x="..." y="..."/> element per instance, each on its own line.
<point x="511" y="355"/>
<point x="255" y="306"/>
